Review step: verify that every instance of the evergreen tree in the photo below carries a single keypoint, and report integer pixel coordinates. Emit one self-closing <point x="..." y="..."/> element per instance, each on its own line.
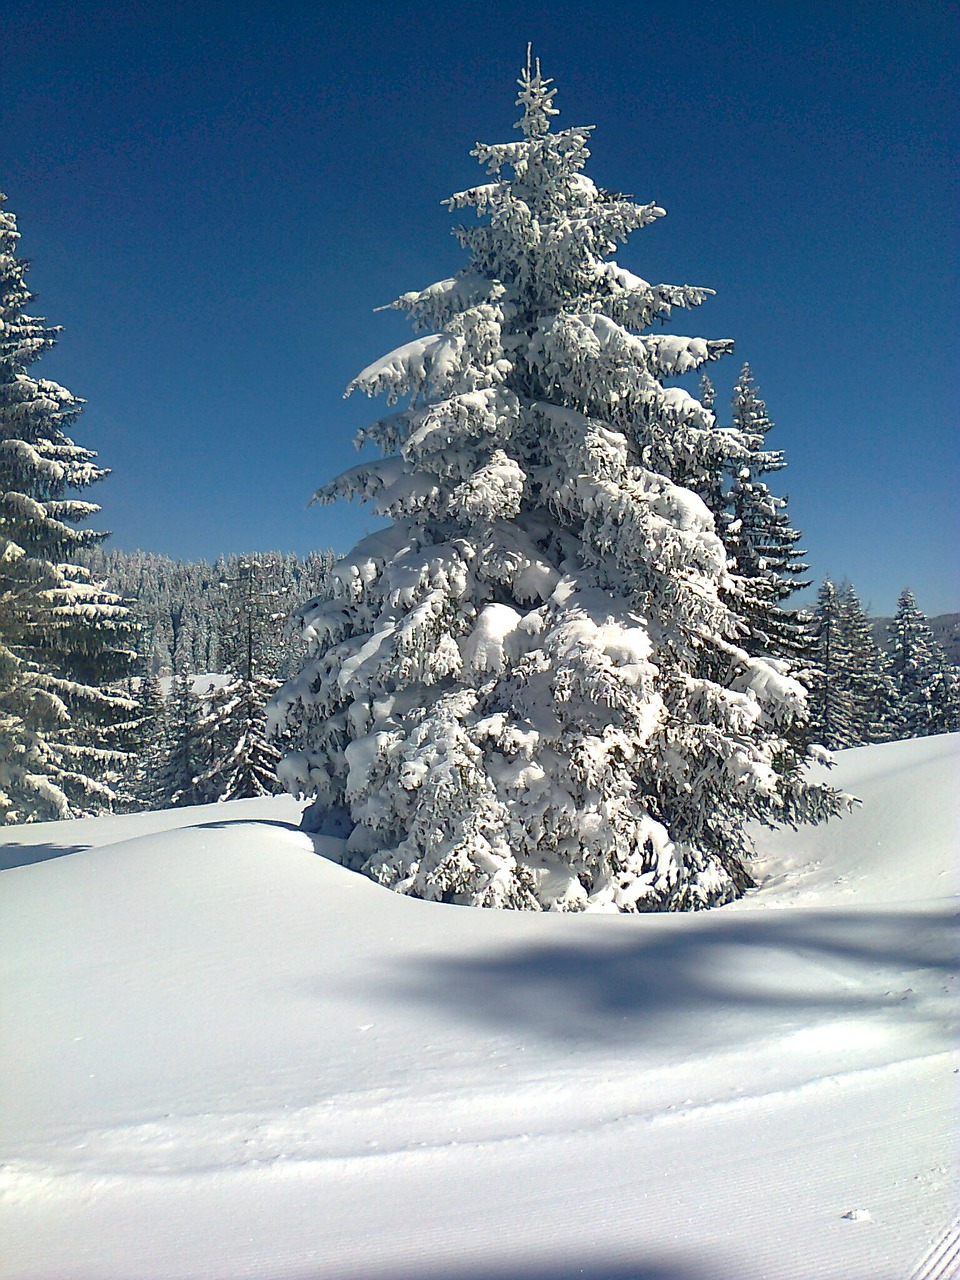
<point x="719" y="452"/>
<point x="182" y="754"/>
<point x="926" y="694"/>
<point x="242" y="761"/>
<point x="868" y="677"/>
<point x="853" y="699"/>
<point x="758" y="534"/>
<point x="64" y="639"/>
<point x="181" y="605"/>
<point x="150" y="745"/>
<point x="528" y="691"/>
<point x="833" y="720"/>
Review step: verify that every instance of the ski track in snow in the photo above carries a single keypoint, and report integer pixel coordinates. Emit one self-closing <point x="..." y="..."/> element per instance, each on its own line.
<point x="333" y="1132"/>
<point x="942" y="1259"/>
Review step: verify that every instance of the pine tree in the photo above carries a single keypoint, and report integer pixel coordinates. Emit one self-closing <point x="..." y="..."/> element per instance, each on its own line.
<point x="529" y="690"/>
<point x="926" y="694"/>
<point x="181" y="604"/>
<point x="758" y="535"/>
<point x="833" y="721"/>
<point x="64" y="639"/>
<point x="182" y="758"/>
<point x="242" y="760"/>
<point x="853" y="699"/>
<point x="150" y="744"/>
<point x="868" y="678"/>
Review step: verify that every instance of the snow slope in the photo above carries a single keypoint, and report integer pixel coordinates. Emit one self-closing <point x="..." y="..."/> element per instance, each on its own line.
<point x="227" y="1057"/>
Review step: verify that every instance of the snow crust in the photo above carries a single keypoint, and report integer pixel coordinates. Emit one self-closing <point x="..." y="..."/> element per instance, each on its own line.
<point x="228" y="1056"/>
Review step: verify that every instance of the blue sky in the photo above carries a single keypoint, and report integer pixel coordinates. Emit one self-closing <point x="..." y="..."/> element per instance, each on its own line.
<point x="216" y="197"/>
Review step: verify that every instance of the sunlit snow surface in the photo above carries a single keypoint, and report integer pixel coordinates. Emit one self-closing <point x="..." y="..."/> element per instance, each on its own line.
<point x="226" y="1056"/>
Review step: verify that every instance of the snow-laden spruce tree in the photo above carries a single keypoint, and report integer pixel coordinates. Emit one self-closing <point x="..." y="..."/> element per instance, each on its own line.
<point x="530" y="690"/>
<point x="834" y="718"/>
<point x="182" y="757"/>
<point x="852" y="694"/>
<point x="149" y="743"/>
<point x="869" y="680"/>
<point x="758" y="533"/>
<point x="64" y="639"/>
<point x="926" y="690"/>
<point x="231" y="732"/>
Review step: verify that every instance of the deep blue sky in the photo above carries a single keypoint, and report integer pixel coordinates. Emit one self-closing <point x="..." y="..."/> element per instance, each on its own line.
<point x="215" y="197"/>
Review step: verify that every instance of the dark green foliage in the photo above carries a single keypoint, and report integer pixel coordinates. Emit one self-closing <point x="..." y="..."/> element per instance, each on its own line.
<point x="833" y="718"/>
<point x="182" y="757"/>
<point x="860" y="694"/>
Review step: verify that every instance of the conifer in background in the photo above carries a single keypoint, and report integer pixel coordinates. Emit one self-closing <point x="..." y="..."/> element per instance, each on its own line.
<point x="869" y="680"/>
<point x="759" y="536"/>
<point x="65" y="641"/>
<point x="834" y="721"/>
<point x="928" y="700"/>
<point x="530" y="690"/>
<point x="150" y="744"/>
<point x="232" y="731"/>
<point x="184" y="614"/>
<point x="182" y="758"/>
<point x="854" y="697"/>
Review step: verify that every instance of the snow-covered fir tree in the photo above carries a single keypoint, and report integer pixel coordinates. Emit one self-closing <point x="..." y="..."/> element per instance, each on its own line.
<point x="150" y="743"/>
<point x="65" y="641"/>
<point x="869" y="680"/>
<point x="853" y="699"/>
<point x="926" y="689"/>
<point x="232" y="730"/>
<point x="833" y="717"/>
<point x="182" y="756"/>
<point x="758" y="534"/>
<point x="531" y="690"/>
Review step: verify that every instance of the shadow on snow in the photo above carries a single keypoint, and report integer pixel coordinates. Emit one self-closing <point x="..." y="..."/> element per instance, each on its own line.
<point x="25" y="855"/>
<point x="644" y="988"/>
<point x="589" y="1269"/>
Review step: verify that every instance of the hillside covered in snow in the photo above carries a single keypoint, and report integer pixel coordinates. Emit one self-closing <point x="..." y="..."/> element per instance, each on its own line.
<point x="228" y="1056"/>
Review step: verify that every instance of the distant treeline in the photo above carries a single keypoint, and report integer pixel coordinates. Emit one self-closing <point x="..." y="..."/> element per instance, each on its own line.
<point x="184" y="608"/>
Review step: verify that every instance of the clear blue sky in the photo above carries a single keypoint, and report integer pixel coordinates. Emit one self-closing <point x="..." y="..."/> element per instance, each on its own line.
<point x="216" y="196"/>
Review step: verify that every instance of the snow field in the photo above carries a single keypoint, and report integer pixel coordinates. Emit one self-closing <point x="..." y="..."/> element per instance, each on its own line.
<point x="226" y="1056"/>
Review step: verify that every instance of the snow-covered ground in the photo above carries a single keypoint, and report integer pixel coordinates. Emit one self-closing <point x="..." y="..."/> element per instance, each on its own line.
<point x="228" y="1057"/>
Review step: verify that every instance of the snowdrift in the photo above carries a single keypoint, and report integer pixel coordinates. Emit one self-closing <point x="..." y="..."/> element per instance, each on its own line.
<point x="227" y="1056"/>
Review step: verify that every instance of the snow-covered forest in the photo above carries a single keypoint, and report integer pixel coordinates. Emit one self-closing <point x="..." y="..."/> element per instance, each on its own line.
<point x="184" y="610"/>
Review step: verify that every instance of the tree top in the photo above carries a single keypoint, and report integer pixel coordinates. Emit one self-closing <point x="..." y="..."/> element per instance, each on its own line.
<point x="536" y="98"/>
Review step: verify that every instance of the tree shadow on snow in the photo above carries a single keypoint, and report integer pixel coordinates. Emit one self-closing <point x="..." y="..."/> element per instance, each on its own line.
<point x="589" y="1269"/>
<point x="637" y="990"/>
<point x="243" y="822"/>
<point x="14" y="855"/>
<point x="25" y="855"/>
